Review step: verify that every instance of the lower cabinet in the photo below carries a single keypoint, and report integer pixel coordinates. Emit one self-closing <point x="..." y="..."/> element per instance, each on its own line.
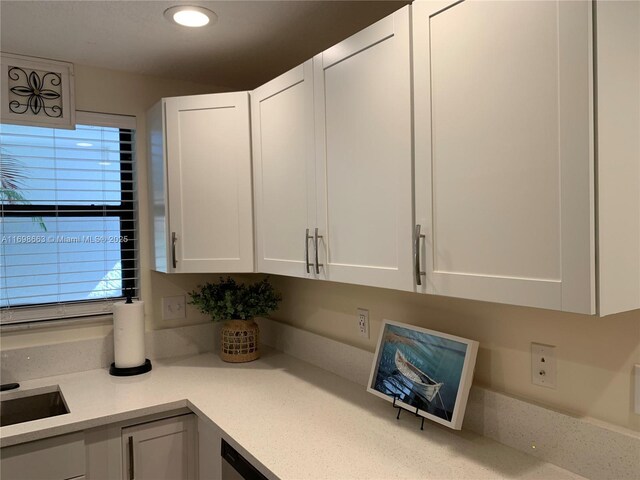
<point x="148" y="448"/>
<point x="173" y="445"/>
<point x="209" y="459"/>
<point x="164" y="449"/>
<point x="56" y="458"/>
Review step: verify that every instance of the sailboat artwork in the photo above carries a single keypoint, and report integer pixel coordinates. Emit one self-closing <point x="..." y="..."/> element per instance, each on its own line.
<point x="429" y="372"/>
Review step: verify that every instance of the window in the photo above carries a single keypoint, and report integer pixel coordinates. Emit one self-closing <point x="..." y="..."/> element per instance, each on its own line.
<point x="68" y="219"/>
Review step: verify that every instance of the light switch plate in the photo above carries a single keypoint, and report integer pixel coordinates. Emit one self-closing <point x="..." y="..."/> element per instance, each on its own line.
<point x="173" y="308"/>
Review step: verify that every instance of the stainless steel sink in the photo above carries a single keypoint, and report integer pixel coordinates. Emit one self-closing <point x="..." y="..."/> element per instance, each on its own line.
<point x="28" y="406"/>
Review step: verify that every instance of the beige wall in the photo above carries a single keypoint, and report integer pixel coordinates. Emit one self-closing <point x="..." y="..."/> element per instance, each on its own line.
<point x="595" y="355"/>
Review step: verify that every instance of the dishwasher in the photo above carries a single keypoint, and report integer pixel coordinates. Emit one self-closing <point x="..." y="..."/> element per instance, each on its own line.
<point x="235" y="466"/>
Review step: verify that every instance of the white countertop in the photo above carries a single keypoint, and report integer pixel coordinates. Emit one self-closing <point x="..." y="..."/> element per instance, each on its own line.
<point x="297" y="420"/>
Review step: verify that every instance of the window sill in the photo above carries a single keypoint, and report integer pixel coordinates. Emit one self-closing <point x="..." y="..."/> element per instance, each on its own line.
<point x="103" y="319"/>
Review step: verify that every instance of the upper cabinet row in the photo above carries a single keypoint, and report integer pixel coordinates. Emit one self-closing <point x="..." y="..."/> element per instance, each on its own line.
<point x="332" y="162"/>
<point x="450" y="148"/>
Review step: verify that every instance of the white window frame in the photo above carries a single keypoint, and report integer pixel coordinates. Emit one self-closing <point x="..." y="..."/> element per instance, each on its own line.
<point x="65" y="313"/>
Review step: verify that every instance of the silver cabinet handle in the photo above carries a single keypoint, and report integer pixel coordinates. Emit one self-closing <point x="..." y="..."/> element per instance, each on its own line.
<point x="315" y="241"/>
<point x="416" y="255"/>
<point x="173" y="249"/>
<point x="131" y="469"/>
<point x="307" y="237"/>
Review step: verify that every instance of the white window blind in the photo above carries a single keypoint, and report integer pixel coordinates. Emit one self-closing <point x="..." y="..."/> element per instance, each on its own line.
<point x="68" y="219"/>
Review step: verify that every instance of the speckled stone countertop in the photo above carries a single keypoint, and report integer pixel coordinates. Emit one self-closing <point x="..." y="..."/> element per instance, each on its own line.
<point x="297" y="420"/>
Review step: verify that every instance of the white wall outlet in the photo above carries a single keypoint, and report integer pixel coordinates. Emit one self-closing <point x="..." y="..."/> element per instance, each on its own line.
<point x="543" y="365"/>
<point x="173" y="308"/>
<point x="363" y="322"/>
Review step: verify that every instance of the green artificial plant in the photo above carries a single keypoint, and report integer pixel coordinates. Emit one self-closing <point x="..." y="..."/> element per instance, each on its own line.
<point x="227" y="299"/>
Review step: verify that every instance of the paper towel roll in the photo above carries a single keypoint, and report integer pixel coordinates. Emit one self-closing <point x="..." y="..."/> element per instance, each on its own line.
<point x="128" y="334"/>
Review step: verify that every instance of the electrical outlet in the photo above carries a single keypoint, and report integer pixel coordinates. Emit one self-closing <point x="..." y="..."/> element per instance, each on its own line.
<point x="543" y="365"/>
<point x="363" y="322"/>
<point x="173" y="308"/>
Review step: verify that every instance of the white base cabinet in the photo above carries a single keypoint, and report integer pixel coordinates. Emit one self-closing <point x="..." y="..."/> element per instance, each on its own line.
<point x="152" y="447"/>
<point x="200" y="174"/>
<point x="161" y="450"/>
<point x="56" y="458"/>
<point x="155" y="447"/>
<point x="209" y="459"/>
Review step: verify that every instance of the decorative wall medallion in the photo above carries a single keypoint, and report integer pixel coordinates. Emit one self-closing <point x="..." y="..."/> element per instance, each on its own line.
<point x="37" y="92"/>
<point x="40" y="91"/>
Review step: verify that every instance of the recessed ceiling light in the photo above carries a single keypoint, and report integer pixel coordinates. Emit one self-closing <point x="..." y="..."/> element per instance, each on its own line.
<point x="104" y="164"/>
<point x="84" y="144"/>
<point x="189" y="16"/>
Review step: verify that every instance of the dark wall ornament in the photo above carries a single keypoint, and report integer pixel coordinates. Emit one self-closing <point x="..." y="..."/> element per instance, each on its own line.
<point x="41" y="91"/>
<point x="37" y="92"/>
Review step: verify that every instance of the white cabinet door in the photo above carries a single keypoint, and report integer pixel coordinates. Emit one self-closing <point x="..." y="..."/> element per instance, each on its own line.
<point x="56" y="458"/>
<point x="208" y="172"/>
<point x="209" y="459"/>
<point x="503" y="147"/>
<point x="618" y="79"/>
<point x="161" y="450"/>
<point x="364" y="155"/>
<point x="284" y="172"/>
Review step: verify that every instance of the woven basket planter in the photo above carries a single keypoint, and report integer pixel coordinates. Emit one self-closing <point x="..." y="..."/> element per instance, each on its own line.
<point x="239" y="341"/>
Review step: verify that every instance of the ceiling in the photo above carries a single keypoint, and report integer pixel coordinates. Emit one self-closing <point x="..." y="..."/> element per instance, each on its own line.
<point x="251" y="43"/>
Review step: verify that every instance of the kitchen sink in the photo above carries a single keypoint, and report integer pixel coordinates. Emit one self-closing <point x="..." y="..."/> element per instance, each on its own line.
<point x="27" y="406"/>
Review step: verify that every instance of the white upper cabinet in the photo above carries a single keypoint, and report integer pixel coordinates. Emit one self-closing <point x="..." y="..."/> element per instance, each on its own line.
<point x="284" y="173"/>
<point x="447" y="149"/>
<point x="362" y="108"/>
<point x="504" y="162"/>
<point x="618" y="151"/>
<point x="200" y="171"/>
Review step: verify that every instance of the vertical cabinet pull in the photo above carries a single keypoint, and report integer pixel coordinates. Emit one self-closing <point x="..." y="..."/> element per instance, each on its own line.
<point x="315" y="241"/>
<point x="307" y="237"/>
<point x="131" y="468"/>
<point x="416" y="255"/>
<point x="173" y="249"/>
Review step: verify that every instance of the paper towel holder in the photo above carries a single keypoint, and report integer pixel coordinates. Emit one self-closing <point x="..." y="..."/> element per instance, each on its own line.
<point x="130" y="371"/>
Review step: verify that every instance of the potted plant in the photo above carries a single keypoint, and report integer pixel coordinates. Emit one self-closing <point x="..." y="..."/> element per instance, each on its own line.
<point x="237" y="305"/>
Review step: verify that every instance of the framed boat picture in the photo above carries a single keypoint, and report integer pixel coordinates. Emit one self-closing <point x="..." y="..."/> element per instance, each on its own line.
<point x="424" y="371"/>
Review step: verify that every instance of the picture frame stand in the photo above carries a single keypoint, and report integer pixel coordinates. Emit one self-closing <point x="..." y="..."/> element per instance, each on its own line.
<point x="401" y="408"/>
